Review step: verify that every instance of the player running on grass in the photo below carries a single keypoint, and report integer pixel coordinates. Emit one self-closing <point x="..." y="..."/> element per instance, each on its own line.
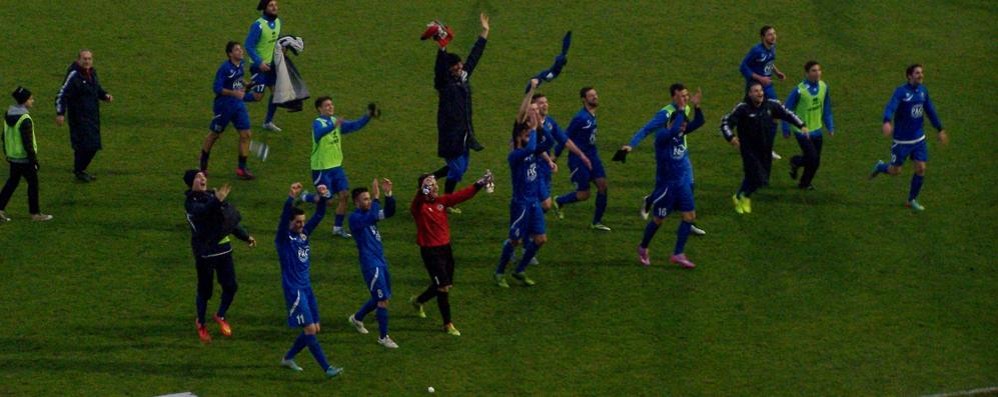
<point x="229" y="107"/>
<point x="373" y="265"/>
<point x="672" y="189"/>
<point x="907" y="108"/>
<point x="293" y="251"/>
<point x="659" y="122"/>
<point x="582" y="131"/>
<point x="327" y="154"/>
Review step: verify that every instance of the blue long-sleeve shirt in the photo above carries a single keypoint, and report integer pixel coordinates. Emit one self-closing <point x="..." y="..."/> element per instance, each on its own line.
<point x="293" y="249"/>
<point x="671" y="156"/>
<point x="253" y="37"/>
<point x="906" y="108"/>
<point x="826" y="111"/>
<point x="582" y="131"/>
<point x="759" y="60"/>
<point x="364" y="226"/>
<point x="320" y="129"/>
<point x="659" y="121"/>
<point x="229" y="77"/>
<point x="523" y="172"/>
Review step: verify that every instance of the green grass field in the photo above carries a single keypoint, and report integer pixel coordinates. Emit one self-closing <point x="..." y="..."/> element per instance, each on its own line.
<point x="839" y="291"/>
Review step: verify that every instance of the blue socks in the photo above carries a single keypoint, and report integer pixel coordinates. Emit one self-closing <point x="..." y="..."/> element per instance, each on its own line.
<point x="566" y="198"/>
<point x="600" y="207"/>
<point x="507" y="253"/>
<point x="339" y="220"/>
<point x="312" y="343"/>
<point x="650" y="230"/>
<point x="882" y="168"/>
<point x="382" y="314"/>
<point x="271" y="109"/>
<point x="529" y="251"/>
<point x="681" y="235"/>
<point x="368" y="307"/>
<point x="916" y="186"/>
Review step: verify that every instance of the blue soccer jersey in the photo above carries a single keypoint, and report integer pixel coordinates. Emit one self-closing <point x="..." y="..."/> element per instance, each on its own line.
<point x="759" y="60"/>
<point x="293" y="250"/>
<point x="907" y="108"/>
<point x="582" y="131"/>
<point x="364" y="227"/>
<point x="229" y="77"/>
<point x="670" y="151"/>
<point x="523" y="172"/>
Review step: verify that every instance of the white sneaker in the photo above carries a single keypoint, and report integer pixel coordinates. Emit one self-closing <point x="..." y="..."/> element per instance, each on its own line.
<point x="270" y="126"/>
<point x="41" y="217"/>
<point x="534" y="261"/>
<point x="342" y="232"/>
<point x="388" y="342"/>
<point x="357" y="324"/>
<point x="4" y="217"/>
<point x="644" y="209"/>
<point x="776" y="156"/>
<point x="697" y="231"/>
<point x="290" y="364"/>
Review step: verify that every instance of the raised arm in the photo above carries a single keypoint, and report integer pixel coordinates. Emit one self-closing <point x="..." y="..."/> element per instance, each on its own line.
<point x="479" y="47"/>
<point x="320" y="212"/>
<point x="658" y="121"/>
<point x="521" y="115"/>
<point x="349" y="126"/>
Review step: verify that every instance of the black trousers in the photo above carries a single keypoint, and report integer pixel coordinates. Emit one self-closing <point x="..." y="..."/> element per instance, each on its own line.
<point x="18" y="170"/>
<point x="810" y="158"/>
<point x="207" y="268"/>
<point x="82" y="159"/>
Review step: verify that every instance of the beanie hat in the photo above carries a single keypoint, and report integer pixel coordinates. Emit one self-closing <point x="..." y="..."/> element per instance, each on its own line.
<point x="21" y="95"/>
<point x="189" y="176"/>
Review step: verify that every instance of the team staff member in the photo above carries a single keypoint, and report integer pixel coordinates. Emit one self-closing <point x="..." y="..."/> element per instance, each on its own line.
<point x="21" y="150"/>
<point x="455" y="132"/>
<point x="811" y="102"/>
<point x="428" y="208"/>
<point x="260" y="44"/>
<point x="754" y="119"/>
<point x="212" y="220"/>
<point x="80" y="97"/>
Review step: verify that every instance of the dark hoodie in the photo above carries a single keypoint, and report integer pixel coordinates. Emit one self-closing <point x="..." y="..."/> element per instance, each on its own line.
<point x="211" y="221"/>
<point x="14" y="112"/>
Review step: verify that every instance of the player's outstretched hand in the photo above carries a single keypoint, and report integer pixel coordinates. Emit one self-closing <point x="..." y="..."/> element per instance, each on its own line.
<point x="485" y="24"/>
<point x="484" y="179"/>
<point x="943" y="137"/>
<point x="386" y="186"/>
<point x="375" y="191"/>
<point x="373" y="110"/>
<point x="294" y="190"/>
<point x="251" y="242"/>
<point x="323" y="192"/>
<point x="695" y="100"/>
<point x="223" y="192"/>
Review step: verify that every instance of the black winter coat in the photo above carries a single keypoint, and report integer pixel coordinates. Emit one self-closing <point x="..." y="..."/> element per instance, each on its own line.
<point x="80" y="97"/>
<point x="455" y="133"/>
<point x="210" y="221"/>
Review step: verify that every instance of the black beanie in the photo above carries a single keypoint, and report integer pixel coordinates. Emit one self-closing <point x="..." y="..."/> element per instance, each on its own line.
<point x="262" y="5"/>
<point x="21" y="95"/>
<point x="189" y="176"/>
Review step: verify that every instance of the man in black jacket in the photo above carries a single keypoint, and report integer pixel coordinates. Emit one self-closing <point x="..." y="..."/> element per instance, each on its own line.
<point x="754" y="119"/>
<point x="212" y="220"/>
<point x="80" y="96"/>
<point x="455" y="132"/>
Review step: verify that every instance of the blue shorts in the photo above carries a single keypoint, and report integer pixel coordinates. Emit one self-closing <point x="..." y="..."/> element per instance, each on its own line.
<point x="457" y="166"/>
<point x="525" y="220"/>
<point x="226" y="113"/>
<point x="302" y="308"/>
<point x="334" y="179"/>
<point x="582" y="176"/>
<point x="378" y="282"/>
<point x="672" y="197"/>
<point x="543" y="180"/>
<point x="918" y="151"/>
<point x="262" y="80"/>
